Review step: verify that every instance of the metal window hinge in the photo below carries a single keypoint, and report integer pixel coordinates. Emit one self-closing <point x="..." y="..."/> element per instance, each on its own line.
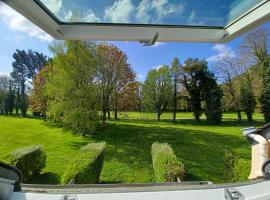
<point x="150" y="42"/>
<point x="233" y="194"/>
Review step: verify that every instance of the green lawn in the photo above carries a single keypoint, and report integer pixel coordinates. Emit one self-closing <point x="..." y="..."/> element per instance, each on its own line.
<point x="127" y="156"/>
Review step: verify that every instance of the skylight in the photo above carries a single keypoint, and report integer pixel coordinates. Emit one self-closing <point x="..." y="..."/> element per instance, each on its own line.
<point x="147" y="21"/>
<point x="154" y="12"/>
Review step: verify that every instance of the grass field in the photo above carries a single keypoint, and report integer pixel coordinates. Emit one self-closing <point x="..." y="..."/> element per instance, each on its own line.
<point x="127" y="156"/>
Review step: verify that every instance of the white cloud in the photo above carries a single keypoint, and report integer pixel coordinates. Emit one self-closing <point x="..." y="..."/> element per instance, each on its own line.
<point x="192" y="20"/>
<point x="90" y="16"/>
<point x="120" y="11"/>
<point x="222" y="51"/>
<point x="161" y="9"/>
<point x="140" y="77"/>
<point x="17" y="22"/>
<point x="53" y="5"/>
<point x="157" y="67"/>
<point x="158" y="44"/>
<point x="4" y="74"/>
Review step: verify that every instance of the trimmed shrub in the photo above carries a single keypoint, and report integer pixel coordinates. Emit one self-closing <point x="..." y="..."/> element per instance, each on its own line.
<point x="30" y="160"/>
<point x="229" y="160"/>
<point x="87" y="166"/>
<point x="241" y="170"/>
<point x="235" y="169"/>
<point x="166" y="166"/>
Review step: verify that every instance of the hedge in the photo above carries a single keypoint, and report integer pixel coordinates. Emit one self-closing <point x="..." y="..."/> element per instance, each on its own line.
<point x="166" y="166"/>
<point x="30" y="160"/>
<point x="87" y="166"/>
<point x="235" y="169"/>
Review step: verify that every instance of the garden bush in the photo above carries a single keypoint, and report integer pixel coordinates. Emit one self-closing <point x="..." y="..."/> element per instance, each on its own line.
<point x="87" y="166"/>
<point x="30" y="160"/>
<point x="229" y="160"/>
<point x="166" y="166"/>
<point x="241" y="170"/>
<point x="235" y="169"/>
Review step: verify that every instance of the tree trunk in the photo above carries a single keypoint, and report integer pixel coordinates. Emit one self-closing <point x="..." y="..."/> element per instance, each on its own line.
<point x="239" y="116"/>
<point x="197" y="117"/>
<point x="104" y="111"/>
<point x="158" y="115"/>
<point x="109" y="113"/>
<point x="174" y="102"/>
<point x="115" y="107"/>
<point x="249" y="117"/>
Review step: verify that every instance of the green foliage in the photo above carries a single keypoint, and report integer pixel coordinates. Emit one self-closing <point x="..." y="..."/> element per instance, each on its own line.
<point x="241" y="170"/>
<point x="73" y="96"/>
<point x="229" y="160"/>
<point x="202" y="86"/>
<point x="264" y="98"/>
<point x="30" y="160"/>
<point x="212" y="95"/>
<point x="247" y="99"/>
<point x="235" y="169"/>
<point x="157" y="90"/>
<point x="166" y="166"/>
<point x="87" y="166"/>
<point x="176" y="71"/>
<point x="25" y="66"/>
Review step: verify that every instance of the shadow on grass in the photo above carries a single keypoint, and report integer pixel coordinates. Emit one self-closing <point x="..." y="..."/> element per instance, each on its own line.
<point x="201" y="151"/>
<point x="45" y="178"/>
<point x="225" y="123"/>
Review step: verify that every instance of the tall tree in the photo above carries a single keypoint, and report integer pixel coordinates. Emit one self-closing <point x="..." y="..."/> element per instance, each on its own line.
<point x="202" y="87"/>
<point x="157" y="89"/>
<point x="3" y="93"/>
<point x="71" y="86"/>
<point x="25" y="66"/>
<point x="113" y="72"/>
<point x="247" y="99"/>
<point x="194" y="70"/>
<point x="212" y="95"/>
<point x="38" y="98"/>
<point x="175" y="73"/>
<point x="254" y="49"/>
<point x="228" y="71"/>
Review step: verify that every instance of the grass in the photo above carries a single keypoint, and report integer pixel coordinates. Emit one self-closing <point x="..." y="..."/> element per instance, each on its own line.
<point x="128" y="151"/>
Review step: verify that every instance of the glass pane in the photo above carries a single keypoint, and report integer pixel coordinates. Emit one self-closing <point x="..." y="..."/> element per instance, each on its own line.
<point x="161" y="12"/>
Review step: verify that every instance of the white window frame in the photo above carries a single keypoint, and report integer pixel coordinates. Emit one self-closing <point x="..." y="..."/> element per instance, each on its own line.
<point x="252" y="18"/>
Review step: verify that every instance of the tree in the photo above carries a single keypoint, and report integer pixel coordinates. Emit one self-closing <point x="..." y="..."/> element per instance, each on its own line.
<point x="38" y="98"/>
<point x="10" y="100"/>
<point x="255" y="50"/>
<point x="25" y="66"/>
<point x="212" y="95"/>
<point x="113" y="73"/>
<point x="157" y="89"/>
<point x="175" y="73"/>
<point x="194" y="70"/>
<point x="3" y="93"/>
<point x="71" y="86"/>
<point x="247" y="99"/>
<point x="202" y="87"/>
<point x="227" y="69"/>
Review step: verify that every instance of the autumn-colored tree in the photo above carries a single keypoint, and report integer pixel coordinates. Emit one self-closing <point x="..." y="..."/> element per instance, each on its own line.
<point x="38" y="98"/>
<point x="127" y="100"/>
<point x="113" y="73"/>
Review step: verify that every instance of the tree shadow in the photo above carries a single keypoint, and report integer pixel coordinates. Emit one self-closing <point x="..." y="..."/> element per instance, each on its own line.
<point x="202" y="152"/>
<point x="45" y="178"/>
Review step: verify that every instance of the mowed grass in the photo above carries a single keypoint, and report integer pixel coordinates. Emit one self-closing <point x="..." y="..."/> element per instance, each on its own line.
<point x="127" y="156"/>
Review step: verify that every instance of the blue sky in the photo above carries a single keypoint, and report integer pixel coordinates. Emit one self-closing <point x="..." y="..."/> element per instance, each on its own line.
<point x="18" y="33"/>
